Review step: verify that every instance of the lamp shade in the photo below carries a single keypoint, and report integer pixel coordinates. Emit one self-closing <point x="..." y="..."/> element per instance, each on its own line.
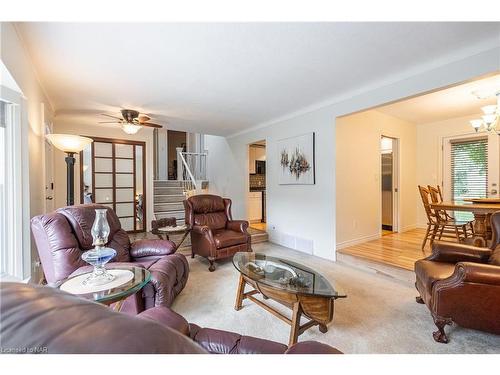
<point x="489" y="109"/>
<point x="131" y="128"/>
<point x="69" y="142"/>
<point x="476" y="124"/>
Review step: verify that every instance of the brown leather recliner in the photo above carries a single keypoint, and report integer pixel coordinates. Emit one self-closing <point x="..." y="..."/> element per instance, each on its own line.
<point x="62" y="236"/>
<point x="461" y="283"/>
<point x="214" y="233"/>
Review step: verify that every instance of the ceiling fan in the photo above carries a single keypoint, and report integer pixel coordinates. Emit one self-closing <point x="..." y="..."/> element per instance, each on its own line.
<point x="131" y="121"/>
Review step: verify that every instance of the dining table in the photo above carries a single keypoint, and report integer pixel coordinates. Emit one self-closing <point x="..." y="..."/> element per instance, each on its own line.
<point x="481" y="210"/>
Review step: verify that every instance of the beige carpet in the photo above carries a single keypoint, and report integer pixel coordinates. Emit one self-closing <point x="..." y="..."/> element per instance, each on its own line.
<point x="379" y="315"/>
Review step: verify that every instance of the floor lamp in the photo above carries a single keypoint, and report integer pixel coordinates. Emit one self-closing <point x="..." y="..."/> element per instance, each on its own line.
<point x="70" y="144"/>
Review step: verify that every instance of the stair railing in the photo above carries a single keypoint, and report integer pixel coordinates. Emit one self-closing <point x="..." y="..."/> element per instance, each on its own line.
<point x="191" y="169"/>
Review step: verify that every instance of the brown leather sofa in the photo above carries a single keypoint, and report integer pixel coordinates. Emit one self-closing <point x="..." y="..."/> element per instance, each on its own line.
<point x="461" y="284"/>
<point x="61" y="238"/>
<point x="214" y="233"/>
<point x="41" y="319"/>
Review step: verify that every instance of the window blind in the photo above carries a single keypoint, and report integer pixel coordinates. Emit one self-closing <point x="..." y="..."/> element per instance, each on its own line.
<point x="469" y="168"/>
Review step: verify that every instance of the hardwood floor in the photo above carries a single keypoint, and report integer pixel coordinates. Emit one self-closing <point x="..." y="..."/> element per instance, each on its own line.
<point x="259" y="226"/>
<point x="396" y="249"/>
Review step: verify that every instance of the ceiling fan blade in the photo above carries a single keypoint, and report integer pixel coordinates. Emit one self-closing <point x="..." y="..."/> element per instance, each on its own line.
<point x="115" y="117"/>
<point x="109" y="122"/>
<point x="151" y="125"/>
<point x="143" y="118"/>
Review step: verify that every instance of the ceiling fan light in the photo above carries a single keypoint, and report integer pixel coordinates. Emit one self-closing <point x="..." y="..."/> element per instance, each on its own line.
<point x="131" y="128"/>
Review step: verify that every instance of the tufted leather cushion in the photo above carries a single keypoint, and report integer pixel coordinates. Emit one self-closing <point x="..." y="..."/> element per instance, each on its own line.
<point x="214" y="220"/>
<point x="208" y="210"/>
<point x="206" y="203"/>
<point x="81" y="218"/>
<point x="226" y="238"/>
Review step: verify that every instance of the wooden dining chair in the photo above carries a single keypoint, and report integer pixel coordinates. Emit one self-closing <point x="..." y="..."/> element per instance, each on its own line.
<point x="437" y="224"/>
<point x="437" y="197"/>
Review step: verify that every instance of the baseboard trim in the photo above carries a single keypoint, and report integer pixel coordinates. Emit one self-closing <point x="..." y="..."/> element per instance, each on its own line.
<point x="409" y="227"/>
<point x="385" y="270"/>
<point x="357" y="241"/>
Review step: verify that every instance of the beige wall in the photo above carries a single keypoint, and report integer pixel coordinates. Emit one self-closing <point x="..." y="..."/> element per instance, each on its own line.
<point x="87" y="126"/>
<point x="19" y="65"/>
<point x="39" y="111"/>
<point x="430" y="154"/>
<point x="358" y="196"/>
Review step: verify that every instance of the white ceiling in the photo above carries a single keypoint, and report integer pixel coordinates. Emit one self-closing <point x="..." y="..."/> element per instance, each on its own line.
<point x="222" y="78"/>
<point x="454" y="102"/>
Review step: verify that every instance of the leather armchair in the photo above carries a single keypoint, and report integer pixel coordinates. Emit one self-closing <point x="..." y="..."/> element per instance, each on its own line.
<point x="461" y="283"/>
<point x="55" y="322"/>
<point x="62" y="236"/>
<point x="214" y="233"/>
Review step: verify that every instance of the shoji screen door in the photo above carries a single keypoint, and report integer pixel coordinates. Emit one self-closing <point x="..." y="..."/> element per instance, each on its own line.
<point x="112" y="174"/>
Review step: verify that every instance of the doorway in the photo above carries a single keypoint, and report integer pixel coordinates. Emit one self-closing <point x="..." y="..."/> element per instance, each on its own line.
<point x="175" y="140"/>
<point x="256" y="199"/>
<point x="389" y="167"/>
<point x="112" y="173"/>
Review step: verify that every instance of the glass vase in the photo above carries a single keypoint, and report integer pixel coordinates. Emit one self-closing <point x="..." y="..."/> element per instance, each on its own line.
<point x="99" y="255"/>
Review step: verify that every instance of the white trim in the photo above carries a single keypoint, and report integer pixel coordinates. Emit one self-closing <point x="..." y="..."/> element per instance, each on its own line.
<point x="357" y="241"/>
<point x="445" y="160"/>
<point x="360" y="240"/>
<point x="396" y="181"/>
<point x="18" y="171"/>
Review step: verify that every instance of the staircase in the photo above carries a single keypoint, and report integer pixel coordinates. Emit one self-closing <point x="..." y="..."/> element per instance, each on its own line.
<point x="168" y="200"/>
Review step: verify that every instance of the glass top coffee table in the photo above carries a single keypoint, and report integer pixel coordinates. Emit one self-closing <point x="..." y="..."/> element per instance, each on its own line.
<point x="134" y="279"/>
<point x="302" y="289"/>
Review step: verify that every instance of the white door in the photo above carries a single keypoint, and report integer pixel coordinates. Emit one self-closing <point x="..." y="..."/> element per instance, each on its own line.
<point x="471" y="166"/>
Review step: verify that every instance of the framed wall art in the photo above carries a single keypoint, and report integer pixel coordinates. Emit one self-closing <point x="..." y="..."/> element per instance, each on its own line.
<point x="296" y="157"/>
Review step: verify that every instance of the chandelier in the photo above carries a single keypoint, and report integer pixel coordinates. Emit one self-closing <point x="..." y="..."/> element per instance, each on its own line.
<point x="491" y="115"/>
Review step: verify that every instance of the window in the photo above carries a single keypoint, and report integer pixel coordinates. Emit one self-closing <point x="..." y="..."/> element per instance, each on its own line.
<point x="13" y="261"/>
<point x="469" y="168"/>
<point x="3" y="201"/>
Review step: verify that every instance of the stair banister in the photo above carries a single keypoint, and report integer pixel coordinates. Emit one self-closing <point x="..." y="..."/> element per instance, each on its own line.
<point x="184" y="166"/>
